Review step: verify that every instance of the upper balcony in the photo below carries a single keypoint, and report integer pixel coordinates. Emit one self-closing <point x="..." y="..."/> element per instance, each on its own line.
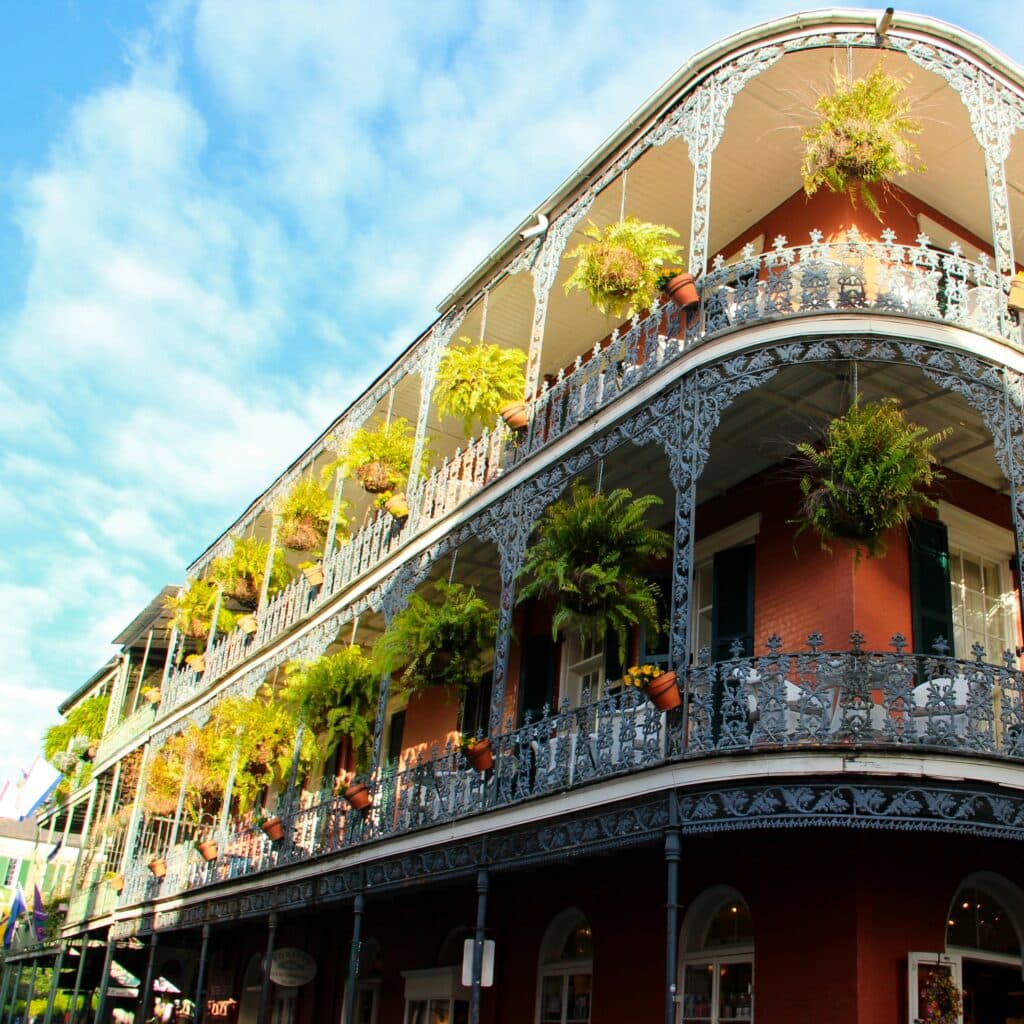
<point x="716" y="156"/>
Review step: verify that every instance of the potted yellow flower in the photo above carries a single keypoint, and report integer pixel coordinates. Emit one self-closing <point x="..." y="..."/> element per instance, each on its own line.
<point x="658" y="686"/>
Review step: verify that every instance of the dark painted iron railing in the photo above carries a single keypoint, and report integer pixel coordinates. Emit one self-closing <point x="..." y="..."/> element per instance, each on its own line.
<point x="814" y="698"/>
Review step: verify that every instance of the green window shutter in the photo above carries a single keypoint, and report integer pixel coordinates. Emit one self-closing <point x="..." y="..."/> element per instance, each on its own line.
<point x="5" y="863"/>
<point x="26" y="867"/>
<point x="732" y="611"/>
<point x="396" y="731"/>
<point x="931" y="602"/>
<point x="539" y="670"/>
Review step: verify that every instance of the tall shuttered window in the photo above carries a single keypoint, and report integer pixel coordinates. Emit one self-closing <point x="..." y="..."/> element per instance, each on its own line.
<point x="930" y="595"/>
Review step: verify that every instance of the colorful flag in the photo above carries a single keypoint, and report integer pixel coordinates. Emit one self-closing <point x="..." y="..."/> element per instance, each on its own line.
<point x="39" y="915"/>
<point x="53" y="853"/>
<point x="17" y="909"/>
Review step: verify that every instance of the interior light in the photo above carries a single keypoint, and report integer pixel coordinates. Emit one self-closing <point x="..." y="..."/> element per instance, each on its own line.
<point x="966" y="906"/>
<point x="951" y="923"/>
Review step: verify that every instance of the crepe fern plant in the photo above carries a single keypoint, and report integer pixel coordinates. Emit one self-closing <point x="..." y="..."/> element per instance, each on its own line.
<point x="866" y="476"/>
<point x="241" y="572"/>
<point x="82" y="727"/>
<point x="862" y="138"/>
<point x="591" y="556"/>
<point x="382" y="457"/>
<point x="192" y="611"/>
<point x="441" y="642"/>
<point x="475" y="379"/>
<point x="620" y="268"/>
<point x="335" y="697"/>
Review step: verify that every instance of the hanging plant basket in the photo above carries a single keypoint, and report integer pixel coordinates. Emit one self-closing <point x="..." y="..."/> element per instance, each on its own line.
<point x="376" y="477"/>
<point x="515" y="415"/>
<point x="158" y="867"/>
<point x="358" y="795"/>
<point x="273" y="829"/>
<point x="866" y="476"/>
<point x="208" y="849"/>
<point x="302" y="535"/>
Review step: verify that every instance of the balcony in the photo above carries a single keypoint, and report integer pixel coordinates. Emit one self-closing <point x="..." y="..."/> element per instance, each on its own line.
<point x="813" y="700"/>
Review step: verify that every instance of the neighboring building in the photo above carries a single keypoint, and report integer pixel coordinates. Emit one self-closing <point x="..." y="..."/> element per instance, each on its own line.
<point x="832" y="817"/>
<point x="21" y="799"/>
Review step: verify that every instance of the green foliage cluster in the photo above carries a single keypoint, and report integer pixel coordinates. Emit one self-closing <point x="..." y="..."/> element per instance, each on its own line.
<point x="241" y="572"/>
<point x="336" y="696"/>
<point x="389" y="446"/>
<point x="82" y="727"/>
<point x="439" y="643"/>
<point x="591" y="556"/>
<point x="866" y="476"/>
<point x="305" y="513"/>
<point x="192" y="611"/>
<point x="195" y="758"/>
<point x="620" y="269"/>
<point x="861" y="139"/>
<point x="474" y="380"/>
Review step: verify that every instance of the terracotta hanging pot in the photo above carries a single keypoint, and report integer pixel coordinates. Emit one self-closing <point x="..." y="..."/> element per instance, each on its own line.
<point x="248" y="624"/>
<point x="116" y="881"/>
<point x="397" y="506"/>
<point x="682" y="290"/>
<point x="314" y="575"/>
<point x="515" y="414"/>
<point x="273" y="829"/>
<point x="152" y="695"/>
<point x="207" y="849"/>
<point x="663" y="693"/>
<point x="158" y="866"/>
<point x="1016" y="299"/>
<point x="358" y="795"/>
<point x="480" y="755"/>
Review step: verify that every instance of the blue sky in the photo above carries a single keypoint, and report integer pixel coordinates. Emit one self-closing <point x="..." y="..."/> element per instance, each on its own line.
<point x="210" y="213"/>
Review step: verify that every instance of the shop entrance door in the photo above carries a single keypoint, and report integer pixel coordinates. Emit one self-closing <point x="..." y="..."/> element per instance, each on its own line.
<point x="993" y="992"/>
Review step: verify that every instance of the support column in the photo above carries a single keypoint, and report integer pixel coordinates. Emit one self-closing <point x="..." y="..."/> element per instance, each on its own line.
<point x="54" y="984"/>
<point x="131" y="838"/>
<point x="511" y="545"/>
<point x="332" y="525"/>
<point x="673" y="853"/>
<point x="204" y="951"/>
<point x="101" y="999"/>
<point x="212" y="635"/>
<point x="86" y="826"/>
<point x="179" y="810"/>
<point x="264" y="1011"/>
<point x="683" y="469"/>
<point x="146" y="994"/>
<point x="4" y="986"/>
<point x="31" y="988"/>
<point x="275" y="523"/>
<point x="482" y="886"/>
<point x="353" y="958"/>
<point x="78" y="978"/>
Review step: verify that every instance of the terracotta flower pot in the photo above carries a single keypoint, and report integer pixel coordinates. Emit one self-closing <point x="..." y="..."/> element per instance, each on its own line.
<point x="116" y="882"/>
<point x="663" y="693"/>
<point x="273" y="829"/>
<point x="682" y="290"/>
<point x="197" y="662"/>
<point x="248" y="625"/>
<point x="207" y="850"/>
<point x="1016" y="299"/>
<point x="481" y="756"/>
<point x="158" y="866"/>
<point x="90" y="752"/>
<point x="397" y="506"/>
<point x="358" y="796"/>
<point x="151" y="695"/>
<point x="515" y="415"/>
<point x="314" y="575"/>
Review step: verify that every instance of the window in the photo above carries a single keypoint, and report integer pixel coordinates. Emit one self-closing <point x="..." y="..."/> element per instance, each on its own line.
<point x="722" y="601"/>
<point x="436" y="996"/>
<point x="566" y="971"/>
<point x="717" y="962"/>
<point x="11" y="874"/>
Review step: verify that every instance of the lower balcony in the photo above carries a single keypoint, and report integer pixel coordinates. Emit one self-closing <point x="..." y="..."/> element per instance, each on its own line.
<point x="814" y="699"/>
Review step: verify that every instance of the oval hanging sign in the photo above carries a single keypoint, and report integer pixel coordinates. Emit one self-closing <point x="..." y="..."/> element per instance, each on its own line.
<point x="292" y="968"/>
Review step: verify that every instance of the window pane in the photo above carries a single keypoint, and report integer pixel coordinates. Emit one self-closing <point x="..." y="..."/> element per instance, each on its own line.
<point x="438" y="1011"/>
<point x="735" y="991"/>
<point x="551" y="1000"/>
<point x="697" y="981"/>
<point x="731" y="925"/>
<point x="578" y="1010"/>
<point x="977" y="921"/>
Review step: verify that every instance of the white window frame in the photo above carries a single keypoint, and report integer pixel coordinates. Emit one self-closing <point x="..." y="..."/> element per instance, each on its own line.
<point x="914" y="961"/>
<point x="717" y="956"/>
<point x="565" y="969"/>
<point x="969" y="534"/>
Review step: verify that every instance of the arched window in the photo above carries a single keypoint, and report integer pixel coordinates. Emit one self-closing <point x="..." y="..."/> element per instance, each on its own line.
<point x="717" y="960"/>
<point x="566" y="971"/>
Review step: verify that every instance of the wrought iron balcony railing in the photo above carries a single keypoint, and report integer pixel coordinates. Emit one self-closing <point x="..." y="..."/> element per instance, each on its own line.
<point x="825" y="277"/>
<point x="893" y="701"/>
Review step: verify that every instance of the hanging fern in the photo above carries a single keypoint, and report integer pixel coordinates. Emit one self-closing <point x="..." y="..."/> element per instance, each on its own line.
<point x="475" y="380"/>
<point x="591" y="557"/>
<point x="440" y="643"/>
<point x="620" y="269"/>
<point x="336" y="695"/>
<point x="306" y="515"/>
<point x="241" y="572"/>
<point x="861" y="139"/>
<point x="192" y="612"/>
<point x="76" y="733"/>
<point x="866" y="476"/>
